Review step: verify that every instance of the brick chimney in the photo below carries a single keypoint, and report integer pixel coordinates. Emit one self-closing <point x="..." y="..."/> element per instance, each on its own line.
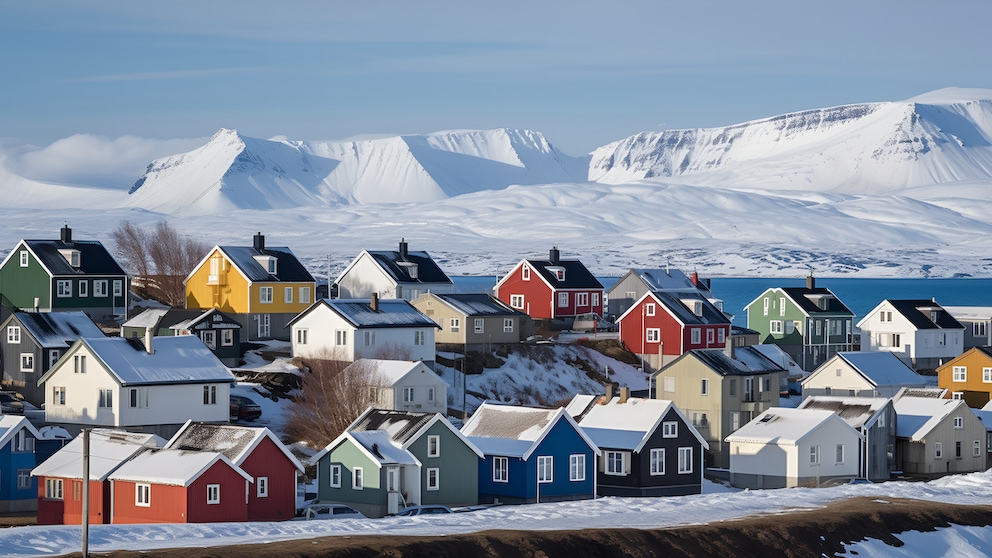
<point x="554" y="255"/>
<point x="624" y="394"/>
<point x="694" y="278"/>
<point x="374" y="302"/>
<point x="259" y="242"/>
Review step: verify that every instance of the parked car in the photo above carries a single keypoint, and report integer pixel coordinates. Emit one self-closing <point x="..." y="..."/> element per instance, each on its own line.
<point x="328" y="511"/>
<point x="243" y="408"/>
<point x="424" y="510"/>
<point x="10" y="404"/>
<point x="592" y="322"/>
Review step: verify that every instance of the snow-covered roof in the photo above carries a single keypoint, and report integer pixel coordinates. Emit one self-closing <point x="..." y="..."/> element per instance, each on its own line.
<point x="637" y="415"/>
<point x="917" y="416"/>
<point x="856" y="411"/>
<point x="148" y="318"/>
<point x="357" y="312"/>
<point x="474" y="304"/>
<point x="172" y="467"/>
<point x="235" y="442"/>
<point x="57" y="330"/>
<point x="504" y="447"/>
<point x="882" y="368"/>
<point x="108" y="450"/>
<point x="512" y="422"/>
<point x="783" y="426"/>
<point x="183" y="359"/>
<point x="392" y="371"/>
<point x="745" y="361"/>
<point x="777" y="354"/>
<point x="380" y="445"/>
<point x="986" y="417"/>
<point x="10" y="425"/>
<point x="970" y="313"/>
<point x="615" y="439"/>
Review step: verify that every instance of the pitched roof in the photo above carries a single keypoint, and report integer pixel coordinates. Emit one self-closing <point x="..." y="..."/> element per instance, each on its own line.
<point x="391" y="313"/>
<point x="176" y="360"/>
<point x="10" y="425"/>
<point x="805" y="298"/>
<point x="158" y="318"/>
<point x="856" y="411"/>
<point x="667" y="279"/>
<point x="398" y="266"/>
<point x="611" y="423"/>
<point x="784" y="426"/>
<point x="52" y="330"/>
<point x="576" y="274"/>
<point x="882" y="368"/>
<point x="192" y="322"/>
<point x="745" y="362"/>
<point x="970" y="313"/>
<point x="392" y="371"/>
<point x="288" y="267"/>
<point x="172" y="467"/>
<point x="94" y="259"/>
<point x="475" y="304"/>
<point x="918" y="312"/>
<point x="235" y="442"/>
<point x="917" y="416"/>
<point x="401" y="426"/>
<point x="680" y="304"/>
<point x="109" y="449"/>
<point x="514" y="430"/>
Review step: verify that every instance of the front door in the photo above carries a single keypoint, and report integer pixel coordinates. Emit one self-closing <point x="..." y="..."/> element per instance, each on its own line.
<point x="393" y="496"/>
<point x="263" y="326"/>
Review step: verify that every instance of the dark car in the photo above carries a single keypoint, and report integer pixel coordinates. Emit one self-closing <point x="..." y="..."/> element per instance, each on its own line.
<point x="243" y="408"/>
<point x="424" y="510"/>
<point x="10" y="404"/>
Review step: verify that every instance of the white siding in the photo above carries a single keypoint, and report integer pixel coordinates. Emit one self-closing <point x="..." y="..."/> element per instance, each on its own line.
<point x="365" y="277"/>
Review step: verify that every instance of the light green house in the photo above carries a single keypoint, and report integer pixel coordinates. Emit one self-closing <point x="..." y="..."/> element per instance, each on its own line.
<point x="809" y="323"/>
<point x="388" y="460"/>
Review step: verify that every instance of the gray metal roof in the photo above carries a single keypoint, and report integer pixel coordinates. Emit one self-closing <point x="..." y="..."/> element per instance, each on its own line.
<point x="288" y="267"/>
<point x="391" y="313"/>
<point x="57" y="330"/>
<point x="477" y="304"/>
<point x="400" y="425"/>
<point x="746" y="361"/>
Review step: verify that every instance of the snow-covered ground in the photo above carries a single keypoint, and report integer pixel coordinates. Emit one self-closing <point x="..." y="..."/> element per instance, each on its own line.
<point x="715" y="504"/>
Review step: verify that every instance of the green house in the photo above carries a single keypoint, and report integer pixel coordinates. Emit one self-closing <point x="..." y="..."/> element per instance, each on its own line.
<point x="388" y="460"/>
<point x="65" y="275"/>
<point x="810" y="323"/>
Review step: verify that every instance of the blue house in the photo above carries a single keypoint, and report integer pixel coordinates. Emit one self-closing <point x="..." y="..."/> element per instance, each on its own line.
<point x="18" y="489"/>
<point x="531" y="455"/>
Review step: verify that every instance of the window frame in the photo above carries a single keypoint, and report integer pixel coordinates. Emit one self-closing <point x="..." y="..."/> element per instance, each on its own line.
<point x="265" y="295"/>
<point x="142" y="494"/>
<point x="517" y="301"/>
<point x="959" y="373"/>
<point x="63" y="288"/>
<point x="545" y="469"/>
<point x="261" y="487"/>
<point x="563" y="299"/>
<point x="577" y="467"/>
<point x="670" y="429"/>
<point x="615" y="463"/>
<point x="14" y="334"/>
<point x="501" y="469"/>
<point x="54" y="489"/>
<point x="652" y="335"/>
<point x="433" y="479"/>
<point x="433" y="445"/>
<point x="685" y="461"/>
<point x="334" y="475"/>
<point x="358" y="478"/>
<point x="213" y="494"/>
<point x="100" y="288"/>
<point x="656" y="457"/>
<point x="27" y="362"/>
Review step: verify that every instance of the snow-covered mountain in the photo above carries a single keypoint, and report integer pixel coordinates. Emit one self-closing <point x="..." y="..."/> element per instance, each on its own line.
<point x="236" y="172"/>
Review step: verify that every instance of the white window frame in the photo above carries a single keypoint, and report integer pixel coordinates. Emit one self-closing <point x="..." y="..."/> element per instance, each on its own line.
<point x="938" y="450"/>
<point x="287" y="295"/>
<point x="13" y="334"/>
<point x="959" y="374"/>
<point x="227" y="337"/>
<point x="118" y="287"/>
<point x="106" y="398"/>
<point x="419" y="337"/>
<point x="334" y="475"/>
<point x="545" y="469"/>
<point x="58" y="396"/>
<point x="137" y="398"/>
<point x="100" y="288"/>
<point x="721" y="335"/>
<point x="814" y="455"/>
<point x="261" y="487"/>
<point x="709" y="336"/>
<point x="517" y="301"/>
<point x="704" y="388"/>
<point x="302" y="336"/>
<point x="839" y="454"/>
<point x="358" y="479"/>
<point x="501" y="469"/>
<point x="79" y="364"/>
<point x="976" y="448"/>
<point x="615" y="463"/>
<point x="63" y="288"/>
<point x="456" y="325"/>
<point x="24" y="258"/>
<point x="652" y="335"/>
<point x="649" y="309"/>
<point x="432" y="394"/>
<point x="340" y="337"/>
<point x="685" y="461"/>
<point x="525" y="273"/>
<point x="958" y="422"/>
<point x="142" y="495"/>
<point x="27" y="362"/>
<point x="657" y="462"/>
<point x="507" y="325"/>
<point x="781" y="306"/>
<point x="775" y="326"/>
<point x="265" y="295"/>
<point x="84" y="288"/>
<point x="697" y="336"/>
<point x="479" y="325"/>
<point x="209" y="338"/>
<point x="54" y="489"/>
<point x="213" y="494"/>
<point x="766" y="306"/>
<point x="670" y="429"/>
<point x="563" y="300"/>
<point x="304" y="295"/>
<point x="369" y="337"/>
<point x="433" y="478"/>
<point x="209" y="395"/>
<point x="408" y="394"/>
<point x="582" y="299"/>
<point x="433" y="446"/>
<point x="577" y="467"/>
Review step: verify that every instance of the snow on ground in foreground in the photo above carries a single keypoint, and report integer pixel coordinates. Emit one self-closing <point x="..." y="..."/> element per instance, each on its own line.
<point x="958" y="541"/>
<point x="716" y="504"/>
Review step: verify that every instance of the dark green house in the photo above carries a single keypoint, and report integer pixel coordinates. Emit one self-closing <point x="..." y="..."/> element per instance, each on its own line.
<point x="220" y="332"/>
<point x="65" y="275"/>
<point x="388" y="460"/>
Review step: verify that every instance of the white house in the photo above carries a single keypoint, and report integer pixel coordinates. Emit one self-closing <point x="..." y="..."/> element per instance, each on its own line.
<point x="920" y="332"/>
<point x="345" y="329"/>
<point x="977" y="322"/>
<point x="875" y="418"/>
<point x="392" y="274"/>
<point x="405" y="385"/>
<point x="862" y="374"/>
<point x="156" y="384"/>
<point x="784" y="448"/>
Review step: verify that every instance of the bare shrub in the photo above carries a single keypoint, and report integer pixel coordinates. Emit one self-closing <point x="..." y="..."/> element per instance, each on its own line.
<point x="159" y="259"/>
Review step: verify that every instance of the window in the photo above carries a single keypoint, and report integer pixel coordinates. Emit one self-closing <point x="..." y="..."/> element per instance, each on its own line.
<point x="432" y="478"/>
<point x="790" y="327"/>
<point x="433" y="446"/>
<point x="270" y="265"/>
<point x="287" y="295"/>
<point x="670" y="429"/>
<point x="657" y="461"/>
<point x="356" y="479"/>
<point x="735" y="421"/>
<point x="652" y="334"/>
<point x="814" y="455"/>
<point x="84" y="288"/>
<point x="301" y="336"/>
<point x="408" y="395"/>
<point x="23" y="442"/>
<point x="369" y="337"/>
<point x="819" y="328"/>
<point x="649" y="309"/>
<point x="615" y="463"/>
<point x="432" y="394"/>
<point x="517" y="301"/>
<point x="781" y="306"/>
<point x="341" y="337"/>
<point x="100" y="288"/>
<point x="775" y="326"/>
<point x="942" y="338"/>
<point x="545" y="469"/>
<point x="896" y="341"/>
<point x="335" y="476"/>
<point x="957" y="395"/>
<point x="595" y="299"/>
<point x="562" y="300"/>
<point x="978" y="329"/>
<point x="836" y="327"/>
<point x="265" y="295"/>
<point x="732" y="386"/>
<point x="262" y="487"/>
<point x="213" y="493"/>
<point x="958" y="422"/>
<point x="24" y="479"/>
<point x="456" y="325"/>
<point x="137" y="397"/>
<point x="63" y="288"/>
<point x="709" y="336"/>
<point x="577" y="467"/>
<point x="209" y="395"/>
<point x="525" y="273"/>
<point x="419" y="338"/>
<point x="976" y="449"/>
<point x="27" y="362"/>
<point x="960" y="373"/>
<point x="58" y="395"/>
<point x="480" y="325"/>
<point x="766" y="306"/>
<point x="696" y="336"/>
<point x="304" y="295"/>
<point x="559" y="273"/>
<point x="209" y="339"/>
<point x="721" y="336"/>
<point x="669" y="384"/>
<point x="839" y="458"/>
<point x="13" y="334"/>
<point x="143" y="495"/>
<point x="507" y="325"/>
<point x="106" y="399"/>
<point x="501" y="469"/>
<point x="582" y="299"/>
<point x="705" y="389"/>
<point x="227" y="337"/>
<point x="53" y="357"/>
<point x="118" y="287"/>
<point x="938" y="450"/>
<point x="79" y="364"/>
<point x="53" y="489"/>
<point x="24" y="258"/>
<point x="685" y="460"/>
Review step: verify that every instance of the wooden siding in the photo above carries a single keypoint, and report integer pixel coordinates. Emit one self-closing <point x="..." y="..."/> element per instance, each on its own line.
<point x="22" y="284"/>
<point x="176" y="504"/>
<point x="974" y="390"/>
<point x="267" y="460"/>
<point x="540" y="300"/>
<point x="458" y="469"/>
<point x="11" y="462"/>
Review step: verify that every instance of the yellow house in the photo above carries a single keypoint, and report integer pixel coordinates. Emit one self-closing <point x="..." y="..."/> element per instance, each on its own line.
<point x="968" y="377"/>
<point x="263" y="288"/>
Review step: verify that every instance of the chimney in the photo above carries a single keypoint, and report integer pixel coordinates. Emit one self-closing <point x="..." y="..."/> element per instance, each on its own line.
<point x="259" y="242"/>
<point x="148" y="341"/>
<point x="374" y="302"/>
<point x="66" y="234"/>
<point x="624" y="394"/>
<point x="609" y="394"/>
<point x="404" y="249"/>
<point x="694" y="278"/>
<point x="554" y="255"/>
<point x="810" y="281"/>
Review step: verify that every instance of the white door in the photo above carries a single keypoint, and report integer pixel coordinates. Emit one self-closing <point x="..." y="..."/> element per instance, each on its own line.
<point x="393" y="490"/>
<point x="263" y="326"/>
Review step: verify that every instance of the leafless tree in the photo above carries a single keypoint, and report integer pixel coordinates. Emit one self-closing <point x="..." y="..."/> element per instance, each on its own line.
<point x="159" y="259"/>
<point x="131" y="250"/>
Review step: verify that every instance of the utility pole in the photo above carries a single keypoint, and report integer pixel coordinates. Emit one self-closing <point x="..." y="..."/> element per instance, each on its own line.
<point x="86" y="492"/>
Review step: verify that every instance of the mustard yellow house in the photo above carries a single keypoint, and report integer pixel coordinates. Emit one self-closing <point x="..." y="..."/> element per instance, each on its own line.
<point x="968" y="377"/>
<point x="262" y="288"/>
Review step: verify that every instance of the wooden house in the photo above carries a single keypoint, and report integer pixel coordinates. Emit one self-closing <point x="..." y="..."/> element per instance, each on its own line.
<point x="403" y="385"/>
<point x="920" y="332"/>
<point x="875" y="418"/>
<point x="472" y="321"/>
<point x="638" y="282"/>
<point x="863" y="374"/>
<point x="400" y="274"/>
<point x="977" y="322"/>
<point x="18" y="442"/>
<point x="968" y="377"/>
<point x="935" y="437"/>
<point x="552" y="289"/>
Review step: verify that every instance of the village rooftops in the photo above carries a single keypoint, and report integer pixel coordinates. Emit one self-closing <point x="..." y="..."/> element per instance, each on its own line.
<point x="882" y="368"/>
<point x="360" y="314"/>
<point x="171" y="467"/>
<point x="235" y="442"/>
<point x="108" y="450"/>
<point x="93" y="259"/>
<point x="919" y="415"/>
<point x="57" y="330"/>
<point x="475" y="304"/>
<point x="626" y="425"/>
<point x="746" y="361"/>
<point x="855" y="411"/>
<point x="925" y="314"/>
<point x="782" y="425"/>
<point x="288" y="267"/>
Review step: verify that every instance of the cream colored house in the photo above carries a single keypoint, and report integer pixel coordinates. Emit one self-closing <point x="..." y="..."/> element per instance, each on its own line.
<point x="862" y="374"/>
<point x="936" y="437"/>
<point x="471" y="320"/>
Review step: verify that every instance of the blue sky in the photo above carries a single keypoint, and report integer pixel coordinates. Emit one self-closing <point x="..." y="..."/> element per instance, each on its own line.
<point x="583" y="73"/>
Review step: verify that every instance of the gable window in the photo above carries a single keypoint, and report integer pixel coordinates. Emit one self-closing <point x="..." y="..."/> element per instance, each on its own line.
<point x="775" y="326"/>
<point x="287" y="295"/>
<point x="840" y="454"/>
<point x="670" y="429"/>
<point x="814" y="455"/>
<point x="582" y="299"/>
<point x="958" y="422"/>
<point x="53" y="489"/>
<point x="480" y="325"/>
<point x="58" y="395"/>
<point x="262" y="487"/>
<point x="419" y="338"/>
<point x="976" y="449"/>
<point x="517" y="301"/>
<point x="960" y="373"/>
<point x="335" y="476"/>
<point x="79" y="364"/>
<point x="23" y="442"/>
<point x="106" y="399"/>
<point x="369" y="337"/>
<point x="562" y="300"/>
<point x="669" y="384"/>
<point x="53" y="357"/>
<point x="213" y="494"/>
<point x="545" y="469"/>
<point x="265" y="295"/>
<point x="63" y="288"/>
<point x="705" y="390"/>
<point x="433" y="446"/>
<point x="227" y="337"/>
<point x="657" y="461"/>
<point x="456" y="325"/>
<point x="24" y="258"/>
<point x="100" y="288"/>
<point x="304" y="295"/>
<point x="501" y="469"/>
<point x="13" y="334"/>
<point x="209" y="395"/>
<point x="615" y="463"/>
<point x="507" y="325"/>
<point x="649" y="309"/>
<point x="525" y="273"/>
<point x="27" y="362"/>
<point x="341" y="337"/>
<point x="357" y="480"/>
<point x="652" y="334"/>
<point x="432" y="394"/>
<point x="301" y="336"/>
<point x="209" y="339"/>
<point x="84" y="288"/>
<point x="938" y="450"/>
<point x="978" y="329"/>
<point x="143" y="495"/>
<point x="766" y="306"/>
<point x="781" y="306"/>
<point x="577" y="467"/>
<point x="408" y="395"/>
<point x="685" y="460"/>
<point x="433" y="480"/>
<point x="696" y="336"/>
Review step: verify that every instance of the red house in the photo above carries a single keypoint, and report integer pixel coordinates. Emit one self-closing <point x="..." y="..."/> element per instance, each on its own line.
<point x="258" y="453"/>
<point x="552" y="288"/>
<point x="60" y="478"/>
<point x="662" y="325"/>
<point x="176" y="486"/>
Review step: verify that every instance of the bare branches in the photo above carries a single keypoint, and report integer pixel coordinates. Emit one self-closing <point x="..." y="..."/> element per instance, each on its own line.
<point x="160" y="259"/>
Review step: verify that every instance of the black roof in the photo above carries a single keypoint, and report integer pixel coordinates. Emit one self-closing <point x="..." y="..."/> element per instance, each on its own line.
<point x="802" y="297"/>
<point x="401" y="425"/>
<point x="745" y="362"/>
<point x="918" y="313"/>
<point x="477" y="304"/>
<point x="94" y="259"/>
<point x="288" y="267"/>
<point x="576" y="274"/>
<point x="398" y="266"/>
<point x="678" y="303"/>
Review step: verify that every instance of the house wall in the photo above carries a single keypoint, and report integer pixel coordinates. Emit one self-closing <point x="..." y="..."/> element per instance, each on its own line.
<point x="228" y="293"/>
<point x="457" y="464"/>
<point x="492" y="332"/>
<point x="100" y="509"/>
<point x="756" y="466"/>
<point x="972" y="335"/>
<point x="420" y="380"/>
<point x="81" y="391"/>
<point x="25" y="383"/>
<point x="974" y="389"/>
<point x="919" y="458"/>
<point x="675" y="337"/>
<point x="880" y="444"/>
<point x="371" y="499"/>
<point x="538" y="301"/>
<point x="837" y="377"/>
<point x="828" y="436"/>
<point x="618" y="299"/>
<point x="12" y="498"/>
<point x="322" y="323"/>
<point x="99" y="309"/>
<point x="364" y="277"/>
<point x="174" y="404"/>
<point x="50" y="511"/>
<point x="175" y="504"/>
<point x="922" y="349"/>
<point x="267" y="460"/>
<point x="22" y="284"/>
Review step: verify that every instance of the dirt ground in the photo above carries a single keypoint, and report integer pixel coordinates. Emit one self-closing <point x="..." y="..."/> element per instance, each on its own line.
<point x="799" y="534"/>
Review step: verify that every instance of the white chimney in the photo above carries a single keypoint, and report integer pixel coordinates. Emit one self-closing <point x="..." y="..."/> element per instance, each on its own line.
<point x="148" y="341"/>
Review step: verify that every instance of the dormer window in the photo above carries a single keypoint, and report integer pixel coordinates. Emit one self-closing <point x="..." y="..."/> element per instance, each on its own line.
<point x="268" y="263"/>
<point x="412" y="270"/>
<point x="525" y="273"/>
<point x="71" y="256"/>
<point x="557" y="272"/>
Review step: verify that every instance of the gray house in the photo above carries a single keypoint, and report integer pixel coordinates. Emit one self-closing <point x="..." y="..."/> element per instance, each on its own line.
<point x="875" y="418"/>
<point x="220" y="332"/>
<point x="472" y="321"/>
<point x="638" y="282"/>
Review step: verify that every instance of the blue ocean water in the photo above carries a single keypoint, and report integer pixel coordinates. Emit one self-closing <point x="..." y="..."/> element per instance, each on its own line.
<point x="860" y="295"/>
